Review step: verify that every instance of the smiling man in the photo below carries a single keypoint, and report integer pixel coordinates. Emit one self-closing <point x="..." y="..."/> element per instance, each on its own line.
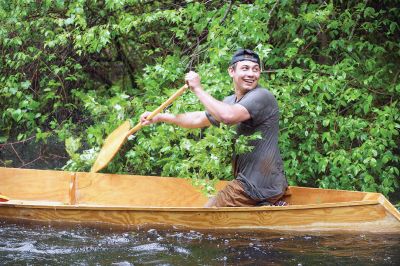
<point x="259" y="177"/>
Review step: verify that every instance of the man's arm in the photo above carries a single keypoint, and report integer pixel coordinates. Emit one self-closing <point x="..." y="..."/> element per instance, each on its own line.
<point x="186" y="120"/>
<point x="222" y="112"/>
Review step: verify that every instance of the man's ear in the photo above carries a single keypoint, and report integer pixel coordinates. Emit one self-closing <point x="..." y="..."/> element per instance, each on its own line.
<point x="231" y="71"/>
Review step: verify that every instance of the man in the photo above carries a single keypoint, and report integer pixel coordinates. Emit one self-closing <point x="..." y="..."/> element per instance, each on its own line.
<point x="259" y="177"/>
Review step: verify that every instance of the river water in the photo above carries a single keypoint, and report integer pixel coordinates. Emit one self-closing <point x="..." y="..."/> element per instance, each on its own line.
<point x="49" y="245"/>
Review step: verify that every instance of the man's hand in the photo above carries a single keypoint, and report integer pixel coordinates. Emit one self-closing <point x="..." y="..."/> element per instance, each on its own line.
<point x="144" y="121"/>
<point x="192" y="79"/>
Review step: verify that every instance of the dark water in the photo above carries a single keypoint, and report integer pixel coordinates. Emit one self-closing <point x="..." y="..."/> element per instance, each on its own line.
<point x="47" y="245"/>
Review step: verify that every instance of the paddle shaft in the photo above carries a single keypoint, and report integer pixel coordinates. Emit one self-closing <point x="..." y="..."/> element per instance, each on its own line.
<point x="159" y="109"/>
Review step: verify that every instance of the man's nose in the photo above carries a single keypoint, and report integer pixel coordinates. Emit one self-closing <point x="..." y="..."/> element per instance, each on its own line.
<point x="251" y="73"/>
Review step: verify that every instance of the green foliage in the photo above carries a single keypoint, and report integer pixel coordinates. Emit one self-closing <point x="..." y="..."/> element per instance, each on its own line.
<point x="77" y="69"/>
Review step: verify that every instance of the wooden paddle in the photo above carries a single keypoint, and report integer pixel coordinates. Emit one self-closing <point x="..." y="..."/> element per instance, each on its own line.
<point x="117" y="138"/>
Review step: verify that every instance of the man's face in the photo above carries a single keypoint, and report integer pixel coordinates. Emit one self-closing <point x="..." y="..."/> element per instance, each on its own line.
<point x="245" y="75"/>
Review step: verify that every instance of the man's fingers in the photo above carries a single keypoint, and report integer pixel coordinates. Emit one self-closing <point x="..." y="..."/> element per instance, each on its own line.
<point x="192" y="79"/>
<point x="143" y="118"/>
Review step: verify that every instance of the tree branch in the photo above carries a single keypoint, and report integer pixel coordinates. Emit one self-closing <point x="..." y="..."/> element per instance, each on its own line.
<point x="16" y="153"/>
<point x="17" y="142"/>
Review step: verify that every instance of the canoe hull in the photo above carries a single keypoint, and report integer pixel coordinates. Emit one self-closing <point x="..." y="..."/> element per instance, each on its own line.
<point x="91" y="199"/>
<point x="365" y="217"/>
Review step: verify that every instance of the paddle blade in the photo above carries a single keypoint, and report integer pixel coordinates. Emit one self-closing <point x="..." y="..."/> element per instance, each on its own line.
<point x="111" y="146"/>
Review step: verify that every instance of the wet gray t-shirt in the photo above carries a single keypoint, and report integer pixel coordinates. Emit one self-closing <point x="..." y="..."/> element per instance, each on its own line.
<point x="261" y="170"/>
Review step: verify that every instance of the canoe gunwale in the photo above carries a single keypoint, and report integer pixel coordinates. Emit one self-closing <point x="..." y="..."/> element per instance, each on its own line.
<point x="31" y="204"/>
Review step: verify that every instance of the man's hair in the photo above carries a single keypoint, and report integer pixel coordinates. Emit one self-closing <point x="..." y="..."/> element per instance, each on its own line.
<point x="244" y="55"/>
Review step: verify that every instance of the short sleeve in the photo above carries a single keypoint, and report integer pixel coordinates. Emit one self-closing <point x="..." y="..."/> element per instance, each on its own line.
<point x="215" y="122"/>
<point x="212" y="120"/>
<point x="257" y="102"/>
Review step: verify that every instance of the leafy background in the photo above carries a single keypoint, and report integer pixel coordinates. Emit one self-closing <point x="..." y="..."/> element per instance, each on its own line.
<point x="72" y="71"/>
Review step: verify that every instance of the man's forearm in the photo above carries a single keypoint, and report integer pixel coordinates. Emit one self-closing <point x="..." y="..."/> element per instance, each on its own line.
<point x="186" y="120"/>
<point x="213" y="106"/>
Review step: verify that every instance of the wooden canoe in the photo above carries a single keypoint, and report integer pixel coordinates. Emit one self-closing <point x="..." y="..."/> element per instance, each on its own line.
<point x="134" y="201"/>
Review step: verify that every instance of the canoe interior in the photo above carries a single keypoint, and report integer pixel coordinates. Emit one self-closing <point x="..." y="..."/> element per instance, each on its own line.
<point x="72" y="188"/>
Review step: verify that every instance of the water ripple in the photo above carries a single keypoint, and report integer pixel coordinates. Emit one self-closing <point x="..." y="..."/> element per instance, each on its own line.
<point x="149" y="247"/>
<point x="38" y="245"/>
<point x="29" y="247"/>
